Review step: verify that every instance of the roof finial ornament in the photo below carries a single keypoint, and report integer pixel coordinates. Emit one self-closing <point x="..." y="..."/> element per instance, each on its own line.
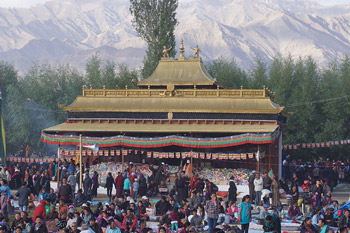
<point x="196" y="51"/>
<point x="165" y="51"/>
<point x="182" y="51"/>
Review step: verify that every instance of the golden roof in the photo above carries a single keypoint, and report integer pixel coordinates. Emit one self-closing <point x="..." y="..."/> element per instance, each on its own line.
<point x="174" y="104"/>
<point x="180" y="72"/>
<point x="161" y="128"/>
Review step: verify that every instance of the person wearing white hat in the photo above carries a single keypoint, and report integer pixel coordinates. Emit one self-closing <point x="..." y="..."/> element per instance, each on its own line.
<point x="145" y="202"/>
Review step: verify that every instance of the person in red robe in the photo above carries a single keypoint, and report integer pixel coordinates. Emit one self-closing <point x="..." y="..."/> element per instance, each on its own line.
<point x="40" y="210"/>
<point x="119" y="185"/>
<point x="194" y="184"/>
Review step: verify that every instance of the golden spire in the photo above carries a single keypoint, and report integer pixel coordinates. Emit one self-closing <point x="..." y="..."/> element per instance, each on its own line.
<point x="182" y="51"/>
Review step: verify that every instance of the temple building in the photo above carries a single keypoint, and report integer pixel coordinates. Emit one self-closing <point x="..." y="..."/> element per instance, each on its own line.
<point x="180" y="111"/>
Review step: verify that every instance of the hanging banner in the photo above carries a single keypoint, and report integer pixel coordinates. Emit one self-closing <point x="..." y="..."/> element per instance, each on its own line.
<point x="117" y="152"/>
<point x="89" y="152"/>
<point x="149" y="154"/>
<point x="178" y="155"/>
<point x="155" y="155"/>
<point x="243" y="156"/>
<point x="106" y="152"/>
<point x="208" y="155"/>
<point x="251" y="155"/>
<point x="171" y="155"/>
<point x="112" y="152"/>
<point x="100" y="152"/>
<point x="184" y="155"/>
<point x="202" y="155"/>
<point x="83" y="152"/>
<point x="215" y="156"/>
<point x="124" y="152"/>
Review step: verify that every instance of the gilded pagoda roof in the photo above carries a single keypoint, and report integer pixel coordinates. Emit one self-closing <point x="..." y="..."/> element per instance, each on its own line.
<point x="216" y="101"/>
<point x="183" y="72"/>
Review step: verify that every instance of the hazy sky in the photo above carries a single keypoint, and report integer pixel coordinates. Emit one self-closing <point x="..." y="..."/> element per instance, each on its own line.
<point x="28" y="3"/>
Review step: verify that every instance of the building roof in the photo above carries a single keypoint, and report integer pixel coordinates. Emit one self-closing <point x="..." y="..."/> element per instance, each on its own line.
<point x="179" y="73"/>
<point x="160" y="128"/>
<point x="174" y="104"/>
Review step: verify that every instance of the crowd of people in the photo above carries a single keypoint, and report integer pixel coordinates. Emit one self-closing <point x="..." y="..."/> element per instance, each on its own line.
<point x="190" y="205"/>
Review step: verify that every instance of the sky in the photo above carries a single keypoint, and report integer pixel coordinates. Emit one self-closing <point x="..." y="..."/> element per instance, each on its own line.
<point x="29" y="3"/>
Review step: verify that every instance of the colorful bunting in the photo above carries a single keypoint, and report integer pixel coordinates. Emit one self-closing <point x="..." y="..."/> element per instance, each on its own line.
<point x="173" y="140"/>
<point x="317" y="144"/>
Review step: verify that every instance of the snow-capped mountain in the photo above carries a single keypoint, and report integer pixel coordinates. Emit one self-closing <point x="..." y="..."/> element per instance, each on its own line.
<point x="70" y="31"/>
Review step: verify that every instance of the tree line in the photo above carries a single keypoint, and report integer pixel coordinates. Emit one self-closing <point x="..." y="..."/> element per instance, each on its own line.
<point x="316" y="99"/>
<point x="30" y="102"/>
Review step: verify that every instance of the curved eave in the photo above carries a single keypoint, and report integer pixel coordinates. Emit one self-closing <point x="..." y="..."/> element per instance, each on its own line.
<point x="70" y="109"/>
<point x="178" y="83"/>
<point x="159" y="128"/>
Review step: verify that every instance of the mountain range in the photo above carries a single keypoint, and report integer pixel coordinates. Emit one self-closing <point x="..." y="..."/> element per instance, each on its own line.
<point x="71" y="31"/>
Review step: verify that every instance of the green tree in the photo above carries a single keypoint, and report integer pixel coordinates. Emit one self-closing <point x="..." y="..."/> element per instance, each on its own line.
<point x="228" y="73"/>
<point x="93" y="72"/>
<point x="258" y="74"/>
<point x="47" y="87"/>
<point x="155" y="21"/>
<point x="109" y="75"/>
<point x="125" y="77"/>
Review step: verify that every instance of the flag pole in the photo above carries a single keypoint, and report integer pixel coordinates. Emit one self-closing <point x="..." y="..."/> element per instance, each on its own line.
<point x="80" y="163"/>
<point x="122" y="162"/>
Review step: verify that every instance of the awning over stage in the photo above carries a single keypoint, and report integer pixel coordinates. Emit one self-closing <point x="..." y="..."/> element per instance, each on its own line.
<point x="157" y="142"/>
<point x="160" y="128"/>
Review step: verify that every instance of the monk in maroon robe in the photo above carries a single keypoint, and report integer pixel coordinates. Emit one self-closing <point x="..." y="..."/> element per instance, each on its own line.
<point x="119" y="184"/>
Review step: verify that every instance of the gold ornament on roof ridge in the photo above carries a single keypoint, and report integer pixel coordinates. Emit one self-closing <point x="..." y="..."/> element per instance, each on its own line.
<point x="165" y="51"/>
<point x="182" y="51"/>
<point x="196" y="51"/>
